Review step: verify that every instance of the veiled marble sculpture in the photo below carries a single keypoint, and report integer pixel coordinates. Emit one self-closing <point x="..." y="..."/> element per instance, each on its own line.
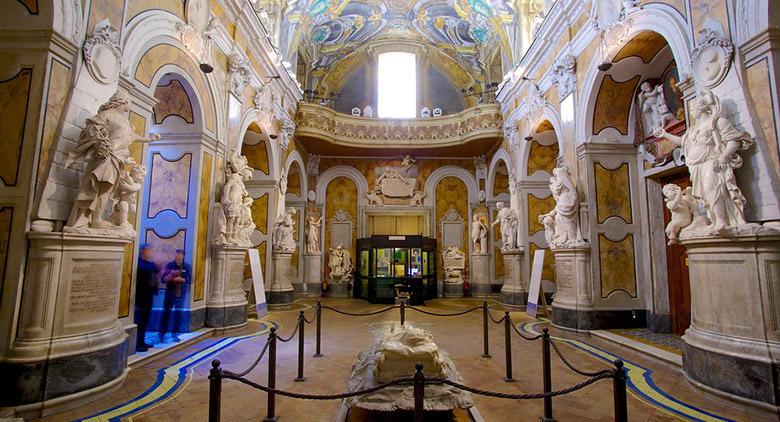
<point x="507" y="220"/>
<point x="234" y="218"/>
<point x="313" y="234"/>
<point x="284" y="231"/>
<point x="103" y="149"/>
<point x="561" y="223"/>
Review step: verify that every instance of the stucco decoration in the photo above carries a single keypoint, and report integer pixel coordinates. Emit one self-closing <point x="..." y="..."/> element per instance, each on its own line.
<point x="417" y="198"/>
<point x="340" y="264"/>
<point x="374" y="198"/>
<point x="561" y="225"/>
<point x="480" y="167"/>
<point x="564" y="76"/>
<point x="313" y="165"/>
<point x="238" y="73"/>
<point x="286" y="133"/>
<point x="313" y="234"/>
<point x="397" y="182"/>
<point x="234" y="214"/>
<point x="711" y="59"/>
<point x="454" y="263"/>
<point x="103" y="150"/>
<point x="284" y="231"/>
<point x="198" y="42"/>
<point x="710" y="146"/>
<point x="511" y="134"/>
<point x="102" y="55"/>
<point x="507" y="220"/>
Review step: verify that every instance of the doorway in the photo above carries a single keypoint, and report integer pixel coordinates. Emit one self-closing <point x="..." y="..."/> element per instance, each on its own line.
<point x="677" y="268"/>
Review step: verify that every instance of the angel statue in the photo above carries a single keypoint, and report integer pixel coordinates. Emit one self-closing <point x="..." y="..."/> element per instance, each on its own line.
<point x="103" y="147"/>
<point x="710" y="146"/>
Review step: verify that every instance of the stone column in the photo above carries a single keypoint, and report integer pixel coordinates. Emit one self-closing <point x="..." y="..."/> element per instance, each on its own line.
<point x="226" y="306"/>
<point x="573" y="303"/>
<point x="733" y="343"/>
<point x="480" y="274"/>
<point x="514" y="293"/>
<point x="69" y="339"/>
<point x="281" y="293"/>
<point x="312" y="274"/>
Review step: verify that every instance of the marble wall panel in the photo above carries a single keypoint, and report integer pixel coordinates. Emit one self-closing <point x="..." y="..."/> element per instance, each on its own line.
<point x="715" y="9"/>
<point x="14" y="99"/>
<point x="260" y="213"/>
<point x="294" y="180"/>
<point x="59" y="86"/>
<point x="135" y="7"/>
<point x="542" y="157"/>
<point x="451" y="193"/>
<point x="341" y="194"/>
<point x="165" y="247"/>
<point x="537" y="207"/>
<point x="500" y="182"/>
<point x="203" y="226"/>
<point x="616" y="260"/>
<point x="613" y="193"/>
<point x="172" y="100"/>
<point x="613" y="104"/>
<point x="169" y="185"/>
<point x="583" y="61"/>
<point x="106" y="9"/>
<point x="257" y="156"/>
<point x="163" y="54"/>
<point x="644" y="45"/>
<point x="759" y="85"/>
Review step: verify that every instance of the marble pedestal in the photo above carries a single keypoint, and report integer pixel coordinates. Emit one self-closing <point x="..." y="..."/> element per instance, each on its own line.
<point x="312" y="274"/>
<point x="340" y="289"/>
<point x="573" y="302"/>
<point x="480" y="275"/>
<point x="733" y="343"/>
<point x="281" y="293"/>
<point x="226" y="305"/>
<point x="514" y="293"/>
<point x="69" y="341"/>
<point x="453" y="289"/>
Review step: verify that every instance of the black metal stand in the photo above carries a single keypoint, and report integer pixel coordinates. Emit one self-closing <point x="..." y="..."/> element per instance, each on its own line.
<point x="301" y="325"/>
<point x="508" y="346"/>
<point x="486" y="348"/>
<point x="317" y="352"/>
<point x="271" y="412"/>
<point x="215" y="392"/>
<point x="547" y="376"/>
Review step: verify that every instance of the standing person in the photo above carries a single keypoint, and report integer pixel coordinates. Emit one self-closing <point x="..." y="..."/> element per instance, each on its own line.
<point x="176" y="277"/>
<point x="145" y="288"/>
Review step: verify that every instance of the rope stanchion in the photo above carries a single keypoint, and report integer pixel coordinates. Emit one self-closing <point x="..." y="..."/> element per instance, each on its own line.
<point x="338" y="311"/>
<point x="485" y="342"/>
<point x="546" y="376"/>
<point x="292" y="335"/>
<point x="419" y="392"/>
<point x="403" y="311"/>
<point x="301" y="326"/>
<point x="495" y="321"/>
<point x="215" y="392"/>
<point x="271" y="406"/>
<point x="508" y="346"/>
<point x="257" y="361"/>
<point x="317" y="351"/>
<point x="302" y="396"/>
<point x="444" y="315"/>
<point x="535" y="396"/>
<point x="570" y="366"/>
<point x="619" y="390"/>
<point x="537" y="337"/>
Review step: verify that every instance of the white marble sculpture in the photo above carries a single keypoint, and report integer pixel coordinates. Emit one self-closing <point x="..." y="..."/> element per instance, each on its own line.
<point x="562" y="222"/>
<point x="655" y="112"/>
<point x="454" y="263"/>
<point x="340" y="264"/>
<point x="374" y="198"/>
<point x="280" y="200"/>
<point x="417" y="198"/>
<point x="479" y="232"/>
<point x="507" y="218"/>
<point x="368" y="111"/>
<point x="235" y="216"/>
<point x="710" y="146"/>
<point x="103" y="148"/>
<point x="313" y="234"/>
<point x="393" y="184"/>
<point x="284" y="231"/>
<point x="402" y="348"/>
<point x="126" y="195"/>
<point x="680" y="205"/>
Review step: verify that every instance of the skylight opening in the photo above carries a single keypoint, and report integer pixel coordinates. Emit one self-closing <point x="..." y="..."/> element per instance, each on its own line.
<point x="397" y="85"/>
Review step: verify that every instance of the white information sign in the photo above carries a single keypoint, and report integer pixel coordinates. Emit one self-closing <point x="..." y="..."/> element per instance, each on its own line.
<point x="257" y="282"/>
<point x="536" y="283"/>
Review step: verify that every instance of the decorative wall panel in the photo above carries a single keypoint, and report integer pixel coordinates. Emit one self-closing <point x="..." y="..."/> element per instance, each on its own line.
<point x="260" y="213"/>
<point x="203" y="226"/>
<point x="169" y="185"/>
<point x="135" y="7"/>
<point x="613" y="193"/>
<point x="257" y="156"/>
<point x="759" y="84"/>
<point x="341" y="194"/>
<point x="14" y="99"/>
<point x="294" y="180"/>
<point x="106" y="9"/>
<point x="500" y="183"/>
<point x="451" y="194"/>
<point x="613" y="104"/>
<point x="644" y="45"/>
<point x="537" y="207"/>
<point x="59" y="85"/>
<point x="172" y="100"/>
<point x="542" y="157"/>
<point x="618" y="272"/>
<point x="165" y="247"/>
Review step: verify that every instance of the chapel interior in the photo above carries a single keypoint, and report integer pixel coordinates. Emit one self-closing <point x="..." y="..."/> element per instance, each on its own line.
<point x="390" y="210"/>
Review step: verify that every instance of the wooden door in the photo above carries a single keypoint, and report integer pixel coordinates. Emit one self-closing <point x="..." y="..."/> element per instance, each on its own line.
<point x="677" y="269"/>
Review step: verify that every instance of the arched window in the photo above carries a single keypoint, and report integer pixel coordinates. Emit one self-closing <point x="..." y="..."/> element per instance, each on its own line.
<point x="397" y="85"/>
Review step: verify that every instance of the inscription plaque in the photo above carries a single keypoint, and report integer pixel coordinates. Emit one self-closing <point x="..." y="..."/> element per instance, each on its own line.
<point x="564" y="274"/>
<point x="93" y="288"/>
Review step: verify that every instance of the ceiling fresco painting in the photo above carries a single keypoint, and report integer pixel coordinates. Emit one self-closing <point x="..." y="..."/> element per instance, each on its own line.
<point x="470" y="31"/>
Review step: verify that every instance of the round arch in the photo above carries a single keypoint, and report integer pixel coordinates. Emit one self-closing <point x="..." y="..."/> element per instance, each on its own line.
<point x="450" y="171"/>
<point x="253" y="116"/>
<point x="500" y="155"/>
<point x="196" y="100"/>
<point x="295" y="157"/>
<point x="341" y="171"/>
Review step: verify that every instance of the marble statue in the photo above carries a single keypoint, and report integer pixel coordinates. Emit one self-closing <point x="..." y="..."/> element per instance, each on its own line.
<point x="680" y="205"/>
<point x="561" y="224"/>
<point x="126" y="199"/>
<point x="454" y="263"/>
<point x="393" y="183"/>
<point x="404" y="346"/>
<point x="479" y="232"/>
<point x="710" y="146"/>
<point x="103" y="148"/>
<point x="340" y="264"/>
<point x="374" y="198"/>
<point x="236" y="215"/>
<point x="507" y="218"/>
<point x="368" y="111"/>
<point x="655" y="112"/>
<point x="417" y="198"/>
<point x="313" y="234"/>
<point x="283" y="237"/>
<point x="280" y="200"/>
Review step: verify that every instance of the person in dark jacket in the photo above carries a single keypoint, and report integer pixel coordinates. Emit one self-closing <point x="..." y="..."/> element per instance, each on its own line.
<point x="145" y="289"/>
<point x="176" y="276"/>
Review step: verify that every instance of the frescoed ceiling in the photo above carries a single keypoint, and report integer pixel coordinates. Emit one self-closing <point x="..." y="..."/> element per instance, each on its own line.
<point x="468" y="30"/>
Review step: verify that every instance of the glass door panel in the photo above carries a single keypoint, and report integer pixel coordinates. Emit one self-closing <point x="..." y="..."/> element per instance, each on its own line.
<point x="399" y="262"/>
<point x="384" y="262"/>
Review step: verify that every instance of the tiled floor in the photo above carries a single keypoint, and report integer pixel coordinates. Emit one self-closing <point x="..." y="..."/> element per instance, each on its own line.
<point x="669" y="342"/>
<point x="185" y="397"/>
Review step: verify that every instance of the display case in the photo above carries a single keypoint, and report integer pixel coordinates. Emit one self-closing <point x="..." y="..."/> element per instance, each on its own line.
<point x="394" y="267"/>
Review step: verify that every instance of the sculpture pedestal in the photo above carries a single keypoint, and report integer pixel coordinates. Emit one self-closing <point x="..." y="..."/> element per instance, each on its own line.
<point x="573" y="303"/>
<point x="514" y="293"/>
<point x="312" y="273"/>
<point x="453" y="289"/>
<point x="69" y="338"/>
<point x="480" y="275"/>
<point x="733" y="343"/>
<point x="226" y="305"/>
<point x="281" y="294"/>
<point x="340" y="289"/>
